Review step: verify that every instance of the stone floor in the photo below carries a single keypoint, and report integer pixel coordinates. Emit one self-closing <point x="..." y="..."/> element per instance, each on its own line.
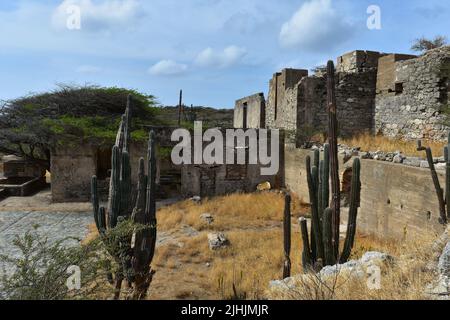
<point x="55" y="221"/>
<point x="52" y="225"/>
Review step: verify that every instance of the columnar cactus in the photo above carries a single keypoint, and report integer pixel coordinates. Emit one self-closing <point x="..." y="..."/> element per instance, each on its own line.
<point x="287" y="236"/>
<point x="444" y="212"/>
<point x="133" y="252"/>
<point x="322" y="247"/>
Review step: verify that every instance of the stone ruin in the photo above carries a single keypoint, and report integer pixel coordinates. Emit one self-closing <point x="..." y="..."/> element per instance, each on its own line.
<point x="396" y="95"/>
<point x="20" y="177"/>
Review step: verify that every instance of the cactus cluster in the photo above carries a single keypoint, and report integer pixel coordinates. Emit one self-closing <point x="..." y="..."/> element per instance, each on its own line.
<point x="321" y="244"/>
<point x="444" y="202"/>
<point x="133" y="251"/>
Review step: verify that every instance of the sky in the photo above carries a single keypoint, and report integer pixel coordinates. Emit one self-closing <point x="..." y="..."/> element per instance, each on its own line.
<point x="217" y="51"/>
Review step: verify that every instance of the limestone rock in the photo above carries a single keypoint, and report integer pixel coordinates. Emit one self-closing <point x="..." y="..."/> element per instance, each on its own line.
<point x="189" y="231"/>
<point x="424" y="164"/>
<point x="217" y="241"/>
<point x="376" y="258"/>
<point x="196" y="199"/>
<point x="207" y="218"/>
<point x="444" y="261"/>
<point x="265" y="186"/>
<point x="398" y="158"/>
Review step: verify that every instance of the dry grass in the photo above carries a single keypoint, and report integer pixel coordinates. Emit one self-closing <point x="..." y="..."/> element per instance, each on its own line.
<point x="406" y="279"/>
<point x="369" y="142"/>
<point x="233" y="211"/>
<point x="187" y="269"/>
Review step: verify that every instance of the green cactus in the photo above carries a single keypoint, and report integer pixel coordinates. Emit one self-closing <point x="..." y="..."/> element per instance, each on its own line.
<point x="134" y="259"/>
<point x="355" y="197"/>
<point x="307" y="260"/>
<point x="287" y="236"/>
<point x="327" y="235"/>
<point x="323" y="247"/>
<point x="444" y="202"/>
<point x="436" y="183"/>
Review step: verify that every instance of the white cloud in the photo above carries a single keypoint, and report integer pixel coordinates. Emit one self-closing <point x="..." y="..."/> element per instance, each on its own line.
<point x="221" y="59"/>
<point x="88" y="69"/>
<point x="98" y="16"/>
<point x="167" y="68"/>
<point x="316" y="26"/>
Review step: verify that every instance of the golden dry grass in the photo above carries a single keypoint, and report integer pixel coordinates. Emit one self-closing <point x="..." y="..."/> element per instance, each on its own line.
<point x="233" y="211"/>
<point x="406" y="279"/>
<point x="187" y="269"/>
<point x="369" y="142"/>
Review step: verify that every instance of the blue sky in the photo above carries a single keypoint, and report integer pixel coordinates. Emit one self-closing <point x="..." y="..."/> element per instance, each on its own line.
<point x="215" y="50"/>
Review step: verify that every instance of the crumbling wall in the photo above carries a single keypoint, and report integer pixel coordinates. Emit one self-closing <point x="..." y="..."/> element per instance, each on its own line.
<point x="413" y="108"/>
<point x="220" y="179"/>
<point x="358" y="61"/>
<point x="396" y="200"/>
<point x="281" y="107"/>
<point x="71" y="170"/>
<point x="252" y="109"/>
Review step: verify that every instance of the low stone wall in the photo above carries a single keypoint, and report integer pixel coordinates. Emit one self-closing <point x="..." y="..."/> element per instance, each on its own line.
<point x="395" y="199"/>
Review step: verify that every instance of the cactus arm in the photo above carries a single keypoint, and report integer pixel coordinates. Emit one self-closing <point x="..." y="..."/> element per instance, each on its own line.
<point x="150" y="211"/>
<point x="139" y="209"/>
<point x="125" y="185"/>
<point x="321" y="208"/>
<point x="316" y="158"/>
<point x="334" y="164"/>
<point x="287" y="236"/>
<point x="326" y="176"/>
<point x="327" y="237"/>
<point x="436" y="183"/>
<point x="353" y="210"/>
<point x="307" y="261"/>
<point x="145" y="240"/>
<point x="315" y="221"/>
<point x="114" y="196"/>
<point x="102" y="220"/>
<point x="94" y="200"/>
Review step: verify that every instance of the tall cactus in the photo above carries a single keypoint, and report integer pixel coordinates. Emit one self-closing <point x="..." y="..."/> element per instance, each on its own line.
<point x="334" y="162"/>
<point x="133" y="251"/>
<point x="444" y="202"/>
<point x="323" y="247"/>
<point x="287" y="236"/>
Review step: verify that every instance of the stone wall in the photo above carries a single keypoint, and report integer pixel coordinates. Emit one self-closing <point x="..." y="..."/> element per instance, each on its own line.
<point x="386" y="71"/>
<point x="281" y="107"/>
<point x="395" y="199"/>
<point x="358" y="61"/>
<point x="71" y="172"/>
<point x="252" y="109"/>
<point x="413" y="108"/>
<point x="72" y="167"/>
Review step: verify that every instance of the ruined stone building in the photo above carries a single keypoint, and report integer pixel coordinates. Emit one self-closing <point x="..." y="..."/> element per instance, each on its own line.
<point x="72" y="168"/>
<point x="396" y="95"/>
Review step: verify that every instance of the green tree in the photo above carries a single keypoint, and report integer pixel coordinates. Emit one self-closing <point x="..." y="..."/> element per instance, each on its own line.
<point x="423" y="44"/>
<point x="31" y="126"/>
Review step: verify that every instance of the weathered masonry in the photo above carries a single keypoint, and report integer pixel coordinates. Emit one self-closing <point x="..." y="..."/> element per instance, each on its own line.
<point x="72" y="168"/>
<point x="396" y="200"/>
<point x="411" y="94"/>
<point x="250" y="112"/>
<point x="207" y="180"/>
<point x="397" y="95"/>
